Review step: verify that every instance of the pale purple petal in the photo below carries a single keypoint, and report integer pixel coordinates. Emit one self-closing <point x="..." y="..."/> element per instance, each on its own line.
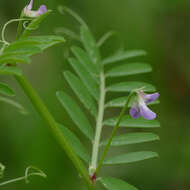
<point x="42" y="9"/>
<point x="135" y="112"/>
<point x="146" y="112"/>
<point x="151" y="97"/>
<point x="29" y="7"/>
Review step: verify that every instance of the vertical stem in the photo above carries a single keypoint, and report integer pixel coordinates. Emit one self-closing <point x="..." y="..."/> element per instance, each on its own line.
<point x="113" y="133"/>
<point x="99" y="125"/>
<point x="48" y="118"/>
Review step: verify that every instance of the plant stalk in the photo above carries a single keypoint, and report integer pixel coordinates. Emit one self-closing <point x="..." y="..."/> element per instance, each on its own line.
<point x="48" y="118"/>
<point x="99" y="125"/>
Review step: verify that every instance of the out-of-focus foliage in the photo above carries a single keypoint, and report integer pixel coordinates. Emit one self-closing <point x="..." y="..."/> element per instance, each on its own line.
<point x="160" y="27"/>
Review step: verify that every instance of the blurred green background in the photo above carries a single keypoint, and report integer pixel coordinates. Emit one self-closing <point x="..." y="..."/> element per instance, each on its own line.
<point x="159" y="26"/>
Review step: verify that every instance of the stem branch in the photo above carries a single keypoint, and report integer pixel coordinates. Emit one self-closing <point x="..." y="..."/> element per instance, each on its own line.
<point x="48" y="118"/>
<point x="113" y="133"/>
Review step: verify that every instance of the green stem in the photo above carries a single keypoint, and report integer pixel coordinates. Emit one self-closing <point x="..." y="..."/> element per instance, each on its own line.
<point x="99" y="125"/>
<point x="48" y="118"/>
<point x="114" y="131"/>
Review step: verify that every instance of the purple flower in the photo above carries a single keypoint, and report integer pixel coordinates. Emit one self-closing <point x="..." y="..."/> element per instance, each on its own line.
<point x="30" y="13"/>
<point x="140" y="108"/>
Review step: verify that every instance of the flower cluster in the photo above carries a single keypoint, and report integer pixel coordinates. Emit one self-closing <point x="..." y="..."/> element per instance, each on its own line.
<point x="31" y="13"/>
<point x="140" y="108"/>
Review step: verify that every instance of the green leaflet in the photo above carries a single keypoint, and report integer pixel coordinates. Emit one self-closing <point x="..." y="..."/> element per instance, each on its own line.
<point x="35" y="23"/>
<point x="132" y="138"/>
<point x="8" y="58"/>
<point x="83" y="57"/>
<point x="21" y="50"/>
<point x="130" y="86"/>
<point x="34" y="43"/>
<point x="120" y="102"/>
<point x="91" y="46"/>
<point x="85" y="77"/>
<point x="10" y="70"/>
<point x="76" y="114"/>
<point x="14" y="104"/>
<point x="5" y="90"/>
<point x="129" y="69"/>
<point x="120" y="56"/>
<point x="81" y="91"/>
<point x="127" y="121"/>
<point x="75" y="143"/>
<point x="131" y="157"/>
<point x="111" y="183"/>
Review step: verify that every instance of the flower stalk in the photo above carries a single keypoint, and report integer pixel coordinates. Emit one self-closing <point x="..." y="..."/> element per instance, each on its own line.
<point x="114" y="131"/>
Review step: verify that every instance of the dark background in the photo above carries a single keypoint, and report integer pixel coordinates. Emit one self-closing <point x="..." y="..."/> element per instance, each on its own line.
<point x="162" y="27"/>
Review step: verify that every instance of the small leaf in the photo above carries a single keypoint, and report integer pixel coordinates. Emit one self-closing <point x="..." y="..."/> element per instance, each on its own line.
<point x="76" y="114"/>
<point x="130" y="86"/>
<point x="75" y="143"/>
<point x="15" y="104"/>
<point x="81" y="91"/>
<point x="90" y="46"/>
<point x="35" y="23"/>
<point x="10" y="70"/>
<point x="104" y="38"/>
<point x="132" y="138"/>
<point x="23" y="48"/>
<point x="68" y="32"/>
<point x="129" y="69"/>
<point x="85" y="61"/>
<point x="11" y="58"/>
<point x="85" y="77"/>
<point x="123" y="55"/>
<point x="127" y="121"/>
<point x="111" y="183"/>
<point x="131" y="157"/>
<point x="37" y="43"/>
<point x="120" y="102"/>
<point x="5" y="90"/>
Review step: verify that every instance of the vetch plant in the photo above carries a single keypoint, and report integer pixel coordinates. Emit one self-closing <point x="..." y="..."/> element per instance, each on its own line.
<point x="89" y="83"/>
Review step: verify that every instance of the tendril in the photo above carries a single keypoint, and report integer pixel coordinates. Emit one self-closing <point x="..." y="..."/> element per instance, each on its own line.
<point x="28" y="28"/>
<point x="35" y="172"/>
<point x="9" y="22"/>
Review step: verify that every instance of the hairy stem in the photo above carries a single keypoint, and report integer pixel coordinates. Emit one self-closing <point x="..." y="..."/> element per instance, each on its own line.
<point x="99" y="124"/>
<point x="48" y="118"/>
<point x="113" y="133"/>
